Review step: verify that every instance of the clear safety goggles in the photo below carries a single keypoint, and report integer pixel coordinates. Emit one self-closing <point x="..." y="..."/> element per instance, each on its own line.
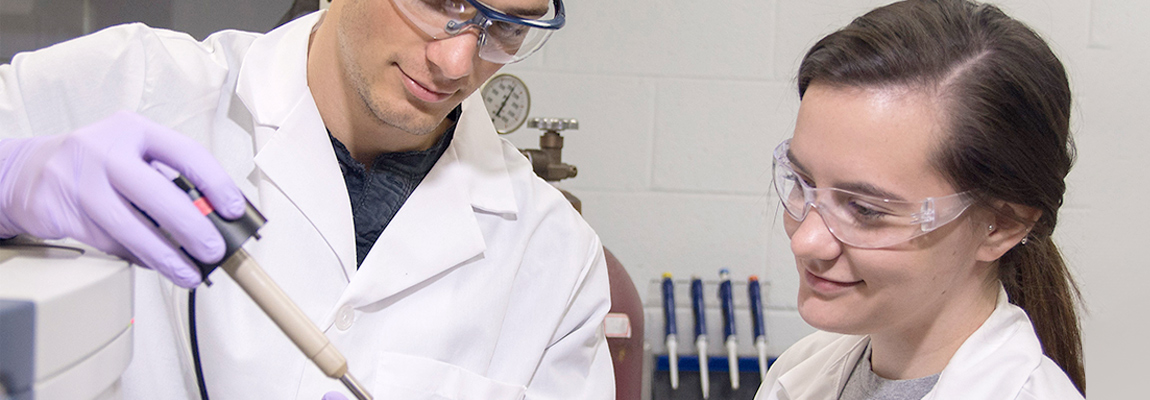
<point x="861" y="220"/>
<point x="504" y="37"/>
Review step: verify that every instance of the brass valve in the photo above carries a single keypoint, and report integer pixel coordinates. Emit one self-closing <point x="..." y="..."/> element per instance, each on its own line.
<point x="547" y="161"/>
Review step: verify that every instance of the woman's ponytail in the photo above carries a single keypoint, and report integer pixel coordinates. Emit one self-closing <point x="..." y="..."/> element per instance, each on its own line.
<point x="1037" y="280"/>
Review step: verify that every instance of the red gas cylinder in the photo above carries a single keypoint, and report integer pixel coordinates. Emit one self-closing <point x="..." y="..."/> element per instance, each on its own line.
<point x="624" y="329"/>
<point x="624" y="323"/>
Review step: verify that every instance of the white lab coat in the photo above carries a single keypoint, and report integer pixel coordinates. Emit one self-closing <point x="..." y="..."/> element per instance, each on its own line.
<point x="1001" y="360"/>
<point x="486" y="284"/>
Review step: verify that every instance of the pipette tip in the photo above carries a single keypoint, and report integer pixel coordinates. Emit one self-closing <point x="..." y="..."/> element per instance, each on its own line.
<point x="354" y="387"/>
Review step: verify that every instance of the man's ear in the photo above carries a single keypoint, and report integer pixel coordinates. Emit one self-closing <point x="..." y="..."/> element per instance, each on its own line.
<point x="1011" y="224"/>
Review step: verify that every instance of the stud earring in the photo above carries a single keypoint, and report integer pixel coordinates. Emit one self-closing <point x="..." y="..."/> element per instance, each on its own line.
<point x="1024" y="240"/>
<point x="990" y="227"/>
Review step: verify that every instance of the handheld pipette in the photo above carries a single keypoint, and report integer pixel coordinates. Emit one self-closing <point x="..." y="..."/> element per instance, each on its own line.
<point x="701" y="333"/>
<point x="757" y="321"/>
<point x="671" y="329"/>
<point x="727" y="301"/>
<point x="264" y="291"/>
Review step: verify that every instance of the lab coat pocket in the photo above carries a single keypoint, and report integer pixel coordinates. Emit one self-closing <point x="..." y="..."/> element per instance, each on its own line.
<point x="403" y="376"/>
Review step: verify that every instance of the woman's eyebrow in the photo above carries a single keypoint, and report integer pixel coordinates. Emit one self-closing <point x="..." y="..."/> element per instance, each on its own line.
<point x="869" y="190"/>
<point x="857" y="187"/>
<point x="797" y="166"/>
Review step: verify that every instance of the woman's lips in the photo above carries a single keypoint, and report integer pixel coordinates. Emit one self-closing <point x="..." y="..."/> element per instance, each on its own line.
<point x="827" y="286"/>
<point x="423" y="92"/>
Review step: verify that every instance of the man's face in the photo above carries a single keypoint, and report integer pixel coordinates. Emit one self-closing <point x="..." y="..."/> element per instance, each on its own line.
<point x="404" y="78"/>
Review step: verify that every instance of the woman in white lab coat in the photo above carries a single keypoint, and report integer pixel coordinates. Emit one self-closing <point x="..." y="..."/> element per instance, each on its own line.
<point x="921" y="188"/>
<point x="485" y="285"/>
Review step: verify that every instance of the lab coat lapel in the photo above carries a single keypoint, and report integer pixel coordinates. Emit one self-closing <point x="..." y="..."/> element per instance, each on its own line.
<point x="811" y="381"/>
<point x="293" y="150"/>
<point x="300" y="161"/>
<point x="1004" y="347"/>
<point x="436" y="229"/>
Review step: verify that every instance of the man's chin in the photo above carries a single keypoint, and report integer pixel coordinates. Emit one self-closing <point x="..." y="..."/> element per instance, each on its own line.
<point x="411" y="120"/>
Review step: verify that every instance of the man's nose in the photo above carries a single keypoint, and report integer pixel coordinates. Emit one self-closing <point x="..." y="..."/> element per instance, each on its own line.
<point x="455" y="56"/>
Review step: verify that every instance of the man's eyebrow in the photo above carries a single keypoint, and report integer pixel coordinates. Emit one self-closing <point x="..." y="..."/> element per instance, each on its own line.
<point x="529" y="13"/>
<point x="857" y="187"/>
<point x="523" y="12"/>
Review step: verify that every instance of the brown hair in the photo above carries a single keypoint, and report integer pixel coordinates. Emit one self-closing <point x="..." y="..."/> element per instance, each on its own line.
<point x="1007" y="99"/>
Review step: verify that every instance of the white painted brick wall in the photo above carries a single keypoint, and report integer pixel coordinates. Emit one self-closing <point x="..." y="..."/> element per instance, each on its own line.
<point x="680" y="103"/>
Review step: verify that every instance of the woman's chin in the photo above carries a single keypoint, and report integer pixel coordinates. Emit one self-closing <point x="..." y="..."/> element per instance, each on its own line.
<point x="829" y="317"/>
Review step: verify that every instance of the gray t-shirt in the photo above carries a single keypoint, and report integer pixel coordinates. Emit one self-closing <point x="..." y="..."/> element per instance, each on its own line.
<point x="863" y="384"/>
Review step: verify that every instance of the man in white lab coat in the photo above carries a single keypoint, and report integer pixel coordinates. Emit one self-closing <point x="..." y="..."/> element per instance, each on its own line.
<point x="484" y="284"/>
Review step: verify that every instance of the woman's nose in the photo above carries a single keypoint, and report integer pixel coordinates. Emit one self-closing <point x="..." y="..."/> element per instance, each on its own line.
<point x="812" y="238"/>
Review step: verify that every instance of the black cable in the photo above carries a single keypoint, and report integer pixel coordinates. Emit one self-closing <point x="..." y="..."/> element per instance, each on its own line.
<point x="195" y="344"/>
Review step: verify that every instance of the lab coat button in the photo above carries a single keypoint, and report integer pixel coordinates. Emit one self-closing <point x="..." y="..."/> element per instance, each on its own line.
<point x="344" y="317"/>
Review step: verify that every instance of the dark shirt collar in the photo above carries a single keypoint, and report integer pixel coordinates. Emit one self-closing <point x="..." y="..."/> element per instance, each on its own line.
<point x="377" y="194"/>
<point x="411" y="164"/>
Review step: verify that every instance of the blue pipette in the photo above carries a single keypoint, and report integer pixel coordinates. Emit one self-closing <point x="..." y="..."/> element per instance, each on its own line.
<point x="727" y="302"/>
<point x="671" y="329"/>
<point x="701" y="333"/>
<point x="757" y="320"/>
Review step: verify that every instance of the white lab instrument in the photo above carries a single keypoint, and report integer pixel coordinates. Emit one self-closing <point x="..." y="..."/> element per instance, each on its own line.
<point x="65" y="321"/>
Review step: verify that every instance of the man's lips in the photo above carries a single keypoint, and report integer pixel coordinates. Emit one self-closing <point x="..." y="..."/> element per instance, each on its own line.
<point x="423" y="92"/>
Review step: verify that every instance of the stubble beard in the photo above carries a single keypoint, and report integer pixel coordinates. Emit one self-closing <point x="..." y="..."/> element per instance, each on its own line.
<point x="388" y="114"/>
<point x="384" y="114"/>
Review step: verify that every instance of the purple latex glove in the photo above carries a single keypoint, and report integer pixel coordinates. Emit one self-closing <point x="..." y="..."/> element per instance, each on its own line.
<point x="334" y="396"/>
<point x="79" y="185"/>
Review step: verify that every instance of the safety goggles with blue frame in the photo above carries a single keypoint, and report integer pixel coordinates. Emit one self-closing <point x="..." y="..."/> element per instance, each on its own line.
<point x="505" y="36"/>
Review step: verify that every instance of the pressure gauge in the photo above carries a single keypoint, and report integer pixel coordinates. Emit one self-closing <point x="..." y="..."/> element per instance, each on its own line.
<point x="508" y="102"/>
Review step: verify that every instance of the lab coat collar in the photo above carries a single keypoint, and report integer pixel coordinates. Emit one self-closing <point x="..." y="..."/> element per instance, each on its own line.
<point x="435" y="230"/>
<point x="291" y="144"/>
<point x="477" y="146"/>
<point x="810" y="380"/>
<point x="1004" y="347"/>
<point x="274" y="72"/>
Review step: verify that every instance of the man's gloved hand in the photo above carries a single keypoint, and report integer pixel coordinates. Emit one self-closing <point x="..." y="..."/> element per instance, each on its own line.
<point x="333" y="396"/>
<point x="83" y="184"/>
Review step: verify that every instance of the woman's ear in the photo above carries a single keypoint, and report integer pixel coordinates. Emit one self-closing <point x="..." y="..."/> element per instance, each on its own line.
<point x="1011" y="224"/>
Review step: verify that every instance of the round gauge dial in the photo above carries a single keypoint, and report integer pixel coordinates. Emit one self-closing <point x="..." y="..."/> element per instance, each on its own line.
<point x="508" y="102"/>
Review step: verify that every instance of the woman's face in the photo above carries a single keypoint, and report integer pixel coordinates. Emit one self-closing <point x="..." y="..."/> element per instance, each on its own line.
<point x="879" y="139"/>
